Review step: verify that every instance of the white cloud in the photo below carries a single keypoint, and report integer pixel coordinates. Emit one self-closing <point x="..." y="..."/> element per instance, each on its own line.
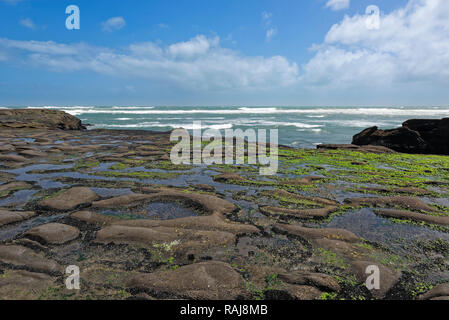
<point x="406" y="59"/>
<point x="412" y="45"/>
<point x="27" y="23"/>
<point x="198" y="64"/>
<point x="113" y="24"/>
<point x="338" y="4"/>
<point x="271" y="33"/>
<point x="194" y="47"/>
<point x="266" y="17"/>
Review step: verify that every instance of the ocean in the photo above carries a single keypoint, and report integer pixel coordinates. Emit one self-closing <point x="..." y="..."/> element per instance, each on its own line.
<point x="303" y="127"/>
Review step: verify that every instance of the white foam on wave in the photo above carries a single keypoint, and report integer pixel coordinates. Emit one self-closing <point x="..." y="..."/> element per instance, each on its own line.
<point x="289" y="124"/>
<point x="312" y="130"/>
<point x="131" y="107"/>
<point x="360" y="123"/>
<point x="245" y="110"/>
<point x="167" y="125"/>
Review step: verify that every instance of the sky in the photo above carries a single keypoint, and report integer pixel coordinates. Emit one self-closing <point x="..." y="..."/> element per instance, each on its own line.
<point x="225" y="52"/>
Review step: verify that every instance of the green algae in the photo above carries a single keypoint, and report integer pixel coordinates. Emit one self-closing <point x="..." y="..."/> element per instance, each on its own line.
<point x="120" y="166"/>
<point x="331" y="258"/>
<point x="168" y="165"/>
<point x="86" y="164"/>
<point x="138" y="175"/>
<point x="290" y="200"/>
<point x="361" y="168"/>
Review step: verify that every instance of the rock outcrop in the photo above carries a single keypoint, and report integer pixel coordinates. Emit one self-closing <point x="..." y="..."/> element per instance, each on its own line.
<point x="38" y="119"/>
<point x="53" y="233"/>
<point x="353" y="147"/>
<point x="69" y="199"/>
<point x="210" y="280"/>
<point x="422" y="136"/>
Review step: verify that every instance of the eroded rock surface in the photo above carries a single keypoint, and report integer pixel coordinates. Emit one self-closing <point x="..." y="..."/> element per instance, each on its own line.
<point x="207" y="280"/>
<point x="24" y="258"/>
<point x="53" y="233"/>
<point x="25" y="285"/>
<point x="69" y="199"/>
<point x="7" y="217"/>
<point x="138" y="226"/>
<point x="38" y="118"/>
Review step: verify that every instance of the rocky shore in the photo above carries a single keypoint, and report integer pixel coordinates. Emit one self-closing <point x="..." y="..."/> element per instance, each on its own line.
<point x="139" y="227"/>
<point x="415" y="136"/>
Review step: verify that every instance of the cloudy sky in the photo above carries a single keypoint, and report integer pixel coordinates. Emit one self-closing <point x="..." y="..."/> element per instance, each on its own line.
<point x="225" y="52"/>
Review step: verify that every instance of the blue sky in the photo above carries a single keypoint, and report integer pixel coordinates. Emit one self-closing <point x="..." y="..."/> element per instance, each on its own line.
<point x="234" y="52"/>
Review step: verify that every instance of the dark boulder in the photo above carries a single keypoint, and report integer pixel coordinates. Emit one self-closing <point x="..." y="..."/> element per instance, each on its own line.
<point x="420" y="136"/>
<point x="38" y="119"/>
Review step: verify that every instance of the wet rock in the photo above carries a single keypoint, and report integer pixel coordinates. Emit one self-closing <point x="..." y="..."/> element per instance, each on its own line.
<point x="303" y="181"/>
<point x="299" y="213"/>
<point x="402" y="139"/>
<point x="294" y="196"/>
<point x="25" y="242"/>
<point x="404" y="190"/>
<point x="121" y="201"/>
<point x="13" y="186"/>
<point x="69" y="199"/>
<point x="32" y="153"/>
<point x="38" y="119"/>
<point x="6" y="148"/>
<point x="419" y="217"/>
<point x="412" y="190"/>
<point x="436" y="183"/>
<point x="12" y="158"/>
<point x="23" y="285"/>
<point x="415" y="136"/>
<point x="410" y="203"/>
<point x="442" y="298"/>
<point x="208" y="203"/>
<point x="178" y="239"/>
<point x="440" y="291"/>
<point x="53" y="233"/>
<point x="214" y="222"/>
<point x="211" y="280"/>
<point x="43" y="141"/>
<point x="321" y="281"/>
<point x="353" y="147"/>
<point x="204" y="187"/>
<point x="93" y="218"/>
<point x="350" y="251"/>
<point x="228" y="177"/>
<point x="99" y="275"/>
<point x="303" y="292"/>
<point x="67" y="148"/>
<point x="318" y="233"/>
<point x="8" y="217"/>
<point x="25" y="258"/>
<point x="388" y="277"/>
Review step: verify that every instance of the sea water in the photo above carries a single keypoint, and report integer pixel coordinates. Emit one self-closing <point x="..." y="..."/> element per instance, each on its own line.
<point x="300" y="126"/>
